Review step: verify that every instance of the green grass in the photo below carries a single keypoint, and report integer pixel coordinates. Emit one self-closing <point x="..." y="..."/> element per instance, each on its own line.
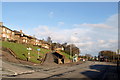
<point x="21" y="49"/>
<point x="65" y="54"/>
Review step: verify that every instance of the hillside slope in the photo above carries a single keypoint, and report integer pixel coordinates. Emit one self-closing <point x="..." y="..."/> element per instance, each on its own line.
<point x="20" y="50"/>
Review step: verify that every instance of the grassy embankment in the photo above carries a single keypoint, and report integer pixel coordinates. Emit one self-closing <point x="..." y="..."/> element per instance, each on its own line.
<point x="21" y="49"/>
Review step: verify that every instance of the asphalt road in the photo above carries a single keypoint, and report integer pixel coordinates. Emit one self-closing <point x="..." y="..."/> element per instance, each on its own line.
<point x="88" y="71"/>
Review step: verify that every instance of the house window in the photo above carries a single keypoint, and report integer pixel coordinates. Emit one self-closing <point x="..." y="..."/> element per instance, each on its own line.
<point x="37" y="41"/>
<point x="26" y="41"/>
<point x="3" y="29"/>
<point x="21" y="34"/>
<point x="0" y="29"/>
<point x="23" y="40"/>
<point x="12" y="33"/>
<point x="4" y="35"/>
<point x="8" y="31"/>
<point x="8" y="36"/>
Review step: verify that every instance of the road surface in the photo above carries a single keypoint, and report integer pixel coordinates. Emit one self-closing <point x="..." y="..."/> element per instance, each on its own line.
<point x="88" y="71"/>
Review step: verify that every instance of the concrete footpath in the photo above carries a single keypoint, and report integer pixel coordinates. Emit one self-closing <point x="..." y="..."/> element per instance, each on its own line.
<point x="12" y="69"/>
<point x="87" y="70"/>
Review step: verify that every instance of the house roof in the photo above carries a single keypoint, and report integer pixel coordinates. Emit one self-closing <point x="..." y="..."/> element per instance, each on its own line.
<point x="24" y="35"/>
<point x="19" y="33"/>
<point x="31" y="37"/>
<point x="6" y="28"/>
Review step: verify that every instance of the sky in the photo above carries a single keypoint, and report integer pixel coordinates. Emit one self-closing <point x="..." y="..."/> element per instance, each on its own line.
<point x="91" y="26"/>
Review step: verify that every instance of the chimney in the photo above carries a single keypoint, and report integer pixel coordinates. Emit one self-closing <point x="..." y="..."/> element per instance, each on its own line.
<point x="21" y="31"/>
<point x="1" y="23"/>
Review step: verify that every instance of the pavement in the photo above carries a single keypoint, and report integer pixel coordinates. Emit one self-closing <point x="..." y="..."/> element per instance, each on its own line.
<point x="11" y="69"/>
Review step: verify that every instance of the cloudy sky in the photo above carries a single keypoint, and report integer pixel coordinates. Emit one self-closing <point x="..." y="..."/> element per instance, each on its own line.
<point x="91" y="26"/>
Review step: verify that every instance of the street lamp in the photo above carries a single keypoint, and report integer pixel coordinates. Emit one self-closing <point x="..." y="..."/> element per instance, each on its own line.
<point x="75" y="57"/>
<point x="70" y="51"/>
<point x="71" y="57"/>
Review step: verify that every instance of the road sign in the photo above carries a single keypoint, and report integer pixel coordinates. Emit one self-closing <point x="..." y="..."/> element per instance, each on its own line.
<point x="38" y="49"/>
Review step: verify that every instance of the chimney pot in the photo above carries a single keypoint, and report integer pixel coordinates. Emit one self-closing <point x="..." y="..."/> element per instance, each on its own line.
<point x="20" y="31"/>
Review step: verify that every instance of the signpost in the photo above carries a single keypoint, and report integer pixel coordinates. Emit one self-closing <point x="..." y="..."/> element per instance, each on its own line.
<point x="29" y="49"/>
<point x="38" y="52"/>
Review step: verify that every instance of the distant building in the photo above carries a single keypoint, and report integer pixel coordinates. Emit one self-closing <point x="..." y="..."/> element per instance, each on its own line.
<point x="20" y="37"/>
<point x="45" y="44"/>
<point x="59" y="49"/>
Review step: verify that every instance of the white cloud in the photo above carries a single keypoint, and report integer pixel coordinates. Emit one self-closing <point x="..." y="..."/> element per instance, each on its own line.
<point x="86" y="25"/>
<point x="90" y="38"/>
<point x="74" y="39"/>
<point x="101" y="41"/>
<point x="85" y="44"/>
<point x="60" y="23"/>
<point x="112" y="21"/>
<point x="113" y="41"/>
<point x="96" y="25"/>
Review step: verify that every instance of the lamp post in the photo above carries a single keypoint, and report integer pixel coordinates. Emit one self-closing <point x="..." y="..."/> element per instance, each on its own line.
<point x="70" y="52"/>
<point x="71" y="57"/>
<point x="76" y="55"/>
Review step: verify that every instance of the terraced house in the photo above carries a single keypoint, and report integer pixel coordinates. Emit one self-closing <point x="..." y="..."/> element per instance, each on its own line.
<point x="6" y="33"/>
<point x="19" y="37"/>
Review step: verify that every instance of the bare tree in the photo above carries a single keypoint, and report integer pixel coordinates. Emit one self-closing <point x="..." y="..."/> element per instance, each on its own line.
<point x="49" y="40"/>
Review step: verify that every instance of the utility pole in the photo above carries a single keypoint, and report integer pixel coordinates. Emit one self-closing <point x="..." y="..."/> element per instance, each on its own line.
<point x="70" y="51"/>
<point x="117" y="52"/>
<point x="71" y="54"/>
